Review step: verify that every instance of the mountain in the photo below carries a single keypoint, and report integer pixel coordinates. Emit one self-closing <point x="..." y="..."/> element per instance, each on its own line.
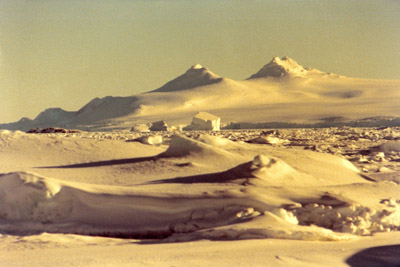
<point x="51" y="117"/>
<point x="281" y="67"/>
<point x="196" y="76"/>
<point x="100" y="109"/>
<point x="281" y="91"/>
<point x="54" y="116"/>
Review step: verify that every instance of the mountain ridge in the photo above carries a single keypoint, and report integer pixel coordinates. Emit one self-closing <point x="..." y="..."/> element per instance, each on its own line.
<point x="281" y="67"/>
<point x="195" y="76"/>
<point x="276" y="88"/>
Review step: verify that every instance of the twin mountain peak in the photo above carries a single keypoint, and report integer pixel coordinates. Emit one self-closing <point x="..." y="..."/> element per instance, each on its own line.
<point x="197" y="75"/>
<point x="277" y="67"/>
<point x="100" y="109"/>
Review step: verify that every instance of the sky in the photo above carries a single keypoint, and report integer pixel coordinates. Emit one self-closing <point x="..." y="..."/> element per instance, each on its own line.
<point x="63" y="53"/>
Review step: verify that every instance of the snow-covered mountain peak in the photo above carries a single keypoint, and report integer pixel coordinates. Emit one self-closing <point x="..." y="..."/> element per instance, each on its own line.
<point x="195" y="76"/>
<point x="286" y="62"/>
<point x="199" y="71"/>
<point x="196" y="67"/>
<point x="279" y="67"/>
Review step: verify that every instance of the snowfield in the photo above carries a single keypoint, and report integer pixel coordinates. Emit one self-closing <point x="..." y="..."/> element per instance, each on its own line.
<point x="281" y="91"/>
<point x="303" y="197"/>
<point x="129" y="187"/>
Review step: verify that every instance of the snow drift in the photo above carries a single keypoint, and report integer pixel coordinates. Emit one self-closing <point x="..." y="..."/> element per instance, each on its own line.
<point x="268" y="193"/>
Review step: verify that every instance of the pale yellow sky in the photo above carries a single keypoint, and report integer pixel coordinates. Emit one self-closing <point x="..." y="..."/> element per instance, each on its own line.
<point x="63" y="53"/>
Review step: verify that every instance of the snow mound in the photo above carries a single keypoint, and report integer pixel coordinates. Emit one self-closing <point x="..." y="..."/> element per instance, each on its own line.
<point x="354" y="219"/>
<point x="280" y="67"/>
<point x="150" y="140"/>
<point x="270" y="168"/>
<point x="24" y="196"/>
<point x="217" y="141"/>
<point x="277" y="223"/>
<point x="30" y="203"/>
<point x="276" y="167"/>
<point x="183" y="146"/>
<point x="272" y="171"/>
<point x="195" y="76"/>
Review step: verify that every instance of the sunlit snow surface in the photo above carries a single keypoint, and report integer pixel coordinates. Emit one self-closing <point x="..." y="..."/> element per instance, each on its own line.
<point x="191" y="188"/>
<point x="281" y="92"/>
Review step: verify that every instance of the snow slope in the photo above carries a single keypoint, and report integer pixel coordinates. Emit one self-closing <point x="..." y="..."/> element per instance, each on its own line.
<point x="229" y="191"/>
<point x="280" y="67"/>
<point x="60" y="194"/>
<point x="281" y="91"/>
<point x="197" y="75"/>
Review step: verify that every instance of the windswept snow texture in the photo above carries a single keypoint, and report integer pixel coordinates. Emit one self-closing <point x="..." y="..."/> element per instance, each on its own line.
<point x="228" y="190"/>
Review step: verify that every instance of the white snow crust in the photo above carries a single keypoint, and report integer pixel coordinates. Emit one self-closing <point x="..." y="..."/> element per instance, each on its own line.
<point x="62" y="193"/>
<point x="248" y="191"/>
